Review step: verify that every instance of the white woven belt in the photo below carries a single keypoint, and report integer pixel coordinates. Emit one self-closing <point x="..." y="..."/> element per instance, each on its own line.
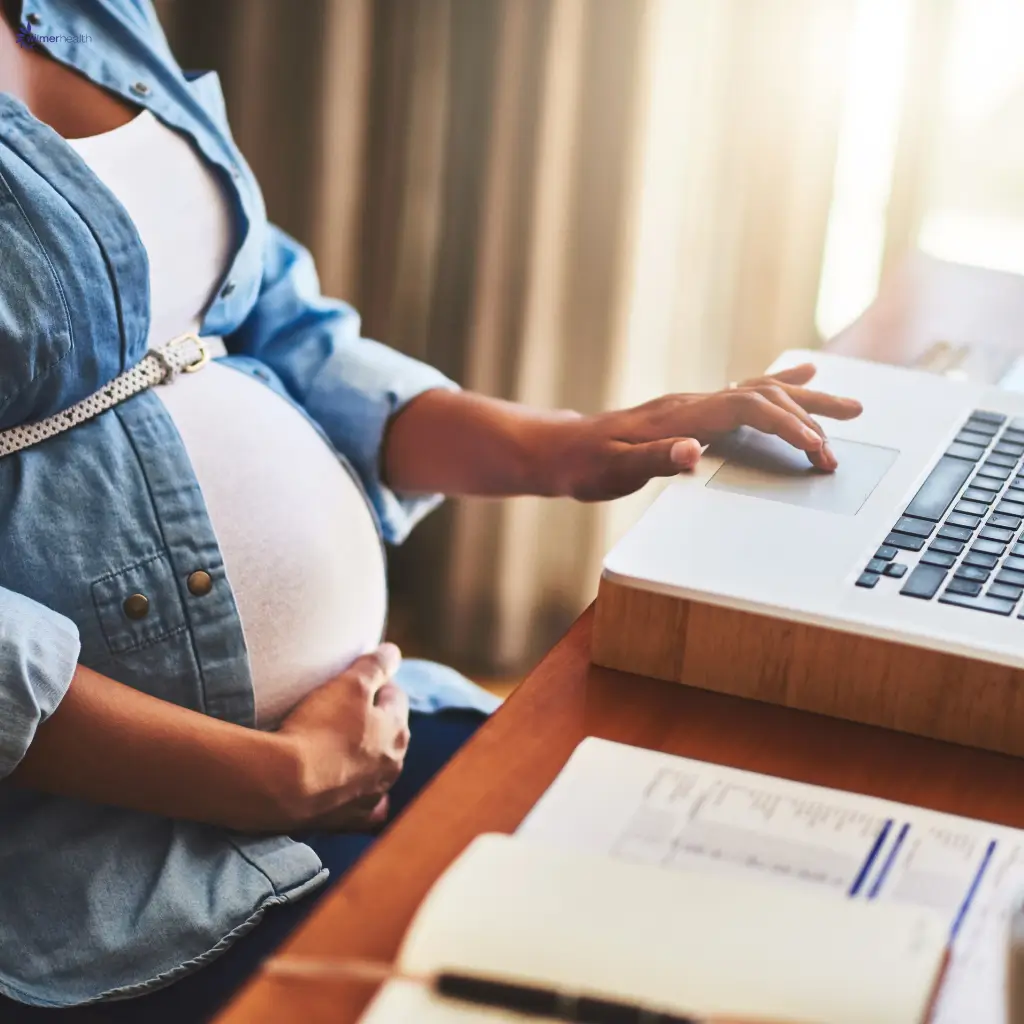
<point x="159" y="366"/>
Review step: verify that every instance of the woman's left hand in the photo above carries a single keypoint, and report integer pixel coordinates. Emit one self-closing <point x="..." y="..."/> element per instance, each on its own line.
<point x="593" y="458"/>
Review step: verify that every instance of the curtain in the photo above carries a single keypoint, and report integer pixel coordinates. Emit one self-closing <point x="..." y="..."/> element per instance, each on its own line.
<point x="580" y="203"/>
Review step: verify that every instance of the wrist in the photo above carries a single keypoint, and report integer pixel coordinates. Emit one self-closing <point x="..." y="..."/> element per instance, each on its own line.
<point x="283" y="786"/>
<point x="554" y="439"/>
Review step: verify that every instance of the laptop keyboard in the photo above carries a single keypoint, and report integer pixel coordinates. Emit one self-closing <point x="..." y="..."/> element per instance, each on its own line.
<point x="965" y="521"/>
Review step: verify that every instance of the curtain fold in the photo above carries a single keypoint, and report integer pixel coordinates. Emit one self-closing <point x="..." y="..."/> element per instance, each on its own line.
<point x="576" y="203"/>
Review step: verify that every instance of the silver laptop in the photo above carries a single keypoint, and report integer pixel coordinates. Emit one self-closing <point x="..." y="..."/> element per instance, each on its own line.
<point x="915" y="538"/>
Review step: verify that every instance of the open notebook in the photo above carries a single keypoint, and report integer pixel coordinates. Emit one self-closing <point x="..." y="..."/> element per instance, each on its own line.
<point x="678" y="941"/>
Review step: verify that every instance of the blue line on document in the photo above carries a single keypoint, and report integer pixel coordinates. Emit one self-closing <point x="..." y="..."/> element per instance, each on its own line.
<point x="877" y="887"/>
<point x="863" y="873"/>
<point x="966" y="905"/>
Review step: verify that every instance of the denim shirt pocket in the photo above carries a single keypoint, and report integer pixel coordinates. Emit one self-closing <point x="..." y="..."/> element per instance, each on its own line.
<point x="139" y="605"/>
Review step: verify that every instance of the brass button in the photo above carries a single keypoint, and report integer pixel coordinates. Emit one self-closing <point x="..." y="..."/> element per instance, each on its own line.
<point x="136" y="606"/>
<point x="200" y="582"/>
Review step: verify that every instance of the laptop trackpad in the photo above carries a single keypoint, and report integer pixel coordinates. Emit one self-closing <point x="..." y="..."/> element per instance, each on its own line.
<point x="765" y="466"/>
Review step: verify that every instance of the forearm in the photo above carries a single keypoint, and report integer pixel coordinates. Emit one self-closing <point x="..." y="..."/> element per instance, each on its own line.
<point x="463" y="443"/>
<point x="110" y="744"/>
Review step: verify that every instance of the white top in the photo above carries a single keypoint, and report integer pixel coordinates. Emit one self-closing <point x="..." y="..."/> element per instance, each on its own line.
<point x="299" y="543"/>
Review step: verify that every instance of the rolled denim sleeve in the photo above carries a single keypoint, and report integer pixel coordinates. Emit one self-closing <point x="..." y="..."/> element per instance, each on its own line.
<point x="38" y="655"/>
<point x="350" y="385"/>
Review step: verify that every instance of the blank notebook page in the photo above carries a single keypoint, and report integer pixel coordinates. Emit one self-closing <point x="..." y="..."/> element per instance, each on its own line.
<point x="672" y="940"/>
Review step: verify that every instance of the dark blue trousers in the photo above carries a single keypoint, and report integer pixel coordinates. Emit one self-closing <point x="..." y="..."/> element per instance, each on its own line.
<point x="196" y="997"/>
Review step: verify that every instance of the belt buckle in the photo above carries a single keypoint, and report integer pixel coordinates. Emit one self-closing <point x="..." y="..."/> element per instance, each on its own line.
<point x="180" y="342"/>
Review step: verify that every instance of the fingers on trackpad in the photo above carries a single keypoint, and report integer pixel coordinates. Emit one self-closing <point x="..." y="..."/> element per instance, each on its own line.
<point x="764" y="466"/>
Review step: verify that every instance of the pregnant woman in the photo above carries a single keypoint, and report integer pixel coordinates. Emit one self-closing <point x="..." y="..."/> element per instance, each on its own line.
<point x="199" y="461"/>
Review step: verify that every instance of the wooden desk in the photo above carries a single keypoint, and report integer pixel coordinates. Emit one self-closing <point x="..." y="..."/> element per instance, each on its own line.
<point x="497" y="777"/>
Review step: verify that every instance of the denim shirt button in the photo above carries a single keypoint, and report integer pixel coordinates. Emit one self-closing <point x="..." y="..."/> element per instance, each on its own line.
<point x="33" y="19"/>
<point x="199" y="583"/>
<point x="227" y="289"/>
<point x="140" y="88"/>
<point x="136" y="607"/>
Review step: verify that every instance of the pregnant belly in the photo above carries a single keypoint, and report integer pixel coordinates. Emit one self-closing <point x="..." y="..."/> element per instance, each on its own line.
<point x="300" y="547"/>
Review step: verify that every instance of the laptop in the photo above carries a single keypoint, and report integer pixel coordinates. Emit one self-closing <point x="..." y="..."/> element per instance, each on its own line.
<point x="916" y="538"/>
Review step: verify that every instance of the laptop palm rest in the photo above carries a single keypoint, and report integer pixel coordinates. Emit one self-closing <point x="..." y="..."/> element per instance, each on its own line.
<point x="764" y="466"/>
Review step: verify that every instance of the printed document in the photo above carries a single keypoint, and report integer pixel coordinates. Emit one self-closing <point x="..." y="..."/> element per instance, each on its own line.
<point x="643" y="806"/>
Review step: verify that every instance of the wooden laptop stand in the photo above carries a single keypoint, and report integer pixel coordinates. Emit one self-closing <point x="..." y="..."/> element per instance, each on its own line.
<point x="812" y="668"/>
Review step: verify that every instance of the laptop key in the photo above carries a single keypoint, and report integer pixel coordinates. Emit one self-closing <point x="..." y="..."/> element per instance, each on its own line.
<point x="939" y="489"/>
<point x="1017" y="549"/>
<point x="867" y="579"/>
<point x="994" y="533"/>
<point x="962" y="519"/>
<point x="989" y="417"/>
<point x="973" y="572"/>
<point x="1008" y="448"/>
<point x="1002" y="519"/>
<point x="977" y="494"/>
<point x="897" y="570"/>
<point x="1012" y="576"/>
<point x="924" y="581"/>
<point x="961" y="586"/>
<point x="993" y="472"/>
<point x="970" y="452"/>
<point x="1010" y="508"/>
<point x="1005" y="460"/>
<point x="981" y="558"/>
<point x="956" y="532"/>
<point x="904" y="542"/>
<point x="988" y="430"/>
<point x="1014" y="424"/>
<point x="989" y="547"/>
<point x="915" y="527"/>
<point x="971" y="508"/>
<point x="1012" y="436"/>
<point x="886" y="553"/>
<point x="1005" y="590"/>
<point x="986" y="483"/>
<point x="1014" y="562"/>
<point x="972" y="437"/>
<point x="939" y="558"/>
<point x="876" y="565"/>
<point x="994" y="605"/>
<point x="947" y="544"/>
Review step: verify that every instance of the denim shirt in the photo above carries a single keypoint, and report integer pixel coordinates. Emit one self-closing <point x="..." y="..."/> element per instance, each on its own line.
<point x="98" y="902"/>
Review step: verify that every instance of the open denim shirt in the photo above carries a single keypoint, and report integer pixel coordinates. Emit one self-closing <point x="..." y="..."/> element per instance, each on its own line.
<point x="97" y="902"/>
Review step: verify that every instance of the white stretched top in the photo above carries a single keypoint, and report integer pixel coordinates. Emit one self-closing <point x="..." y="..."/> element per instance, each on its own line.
<point x="299" y="543"/>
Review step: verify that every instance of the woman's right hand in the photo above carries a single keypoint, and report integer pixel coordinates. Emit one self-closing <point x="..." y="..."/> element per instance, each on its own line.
<point x="329" y="766"/>
<point x="348" y="741"/>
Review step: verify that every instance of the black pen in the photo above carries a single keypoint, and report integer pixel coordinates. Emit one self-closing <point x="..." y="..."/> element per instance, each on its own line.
<point x="530" y="1000"/>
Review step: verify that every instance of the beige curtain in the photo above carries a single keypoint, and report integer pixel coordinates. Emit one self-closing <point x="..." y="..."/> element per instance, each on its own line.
<point x="565" y="202"/>
<point x="930" y="37"/>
